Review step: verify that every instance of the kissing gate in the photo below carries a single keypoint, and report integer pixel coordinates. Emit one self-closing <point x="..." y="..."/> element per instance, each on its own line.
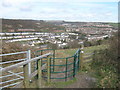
<point x="44" y="66"/>
<point x="63" y="71"/>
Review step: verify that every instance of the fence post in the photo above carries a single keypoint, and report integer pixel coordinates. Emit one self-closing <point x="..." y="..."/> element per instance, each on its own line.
<point x="48" y="69"/>
<point x="74" y="66"/>
<point x="53" y="59"/>
<point x="39" y="73"/>
<point x="81" y="59"/>
<point x="28" y="58"/>
<point x="41" y="53"/>
<point x="66" y="70"/>
<point x="26" y="76"/>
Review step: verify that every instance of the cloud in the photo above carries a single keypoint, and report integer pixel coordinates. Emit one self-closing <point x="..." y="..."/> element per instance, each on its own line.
<point x="26" y="8"/>
<point x="4" y="4"/>
<point x="108" y="14"/>
<point x="76" y="0"/>
<point x="12" y="2"/>
<point x="53" y="10"/>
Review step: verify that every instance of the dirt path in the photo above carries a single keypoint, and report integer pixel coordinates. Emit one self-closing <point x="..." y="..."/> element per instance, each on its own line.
<point x="83" y="81"/>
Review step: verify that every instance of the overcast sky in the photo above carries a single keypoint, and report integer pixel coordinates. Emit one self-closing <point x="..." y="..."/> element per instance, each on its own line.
<point x="70" y="10"/>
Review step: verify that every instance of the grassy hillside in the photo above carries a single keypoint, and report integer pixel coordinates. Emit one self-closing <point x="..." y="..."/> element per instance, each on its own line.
<point x="38" y="25"/>
<point x="70" y="52"/>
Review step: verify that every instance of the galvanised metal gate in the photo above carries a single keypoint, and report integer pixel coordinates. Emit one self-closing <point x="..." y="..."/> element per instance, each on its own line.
<point x="12" y="78"/>
<point x="64" y="71"/>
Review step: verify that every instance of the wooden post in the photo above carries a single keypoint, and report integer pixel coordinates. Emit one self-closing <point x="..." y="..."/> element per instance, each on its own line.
<point x="66" y="69"/>
<point x="41" y="58"/>
<point x="39" y="74"/>
<point x="74" y="66"/>
<point x="53" y="60"/>
<point x="48" y="69"/>
<point x="27" y="70"/>
<point x="81" y="56"/>
<point x="81" y="59"/>
<point x="26" y="76"/>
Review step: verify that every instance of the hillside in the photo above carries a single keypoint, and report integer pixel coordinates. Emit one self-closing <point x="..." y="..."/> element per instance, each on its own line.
<point x="25" y="25"/>
<point x="17" y="25"/>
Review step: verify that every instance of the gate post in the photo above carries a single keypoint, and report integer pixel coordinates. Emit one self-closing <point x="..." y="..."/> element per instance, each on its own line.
<point x="74" y="66"/>
<point x="53" y="59"/>
<point x="26" y="76"/>
<point x="29" y="64"/>
<point x="81" y="59"/>
<point x="27" y="70"/>
<point x="48" y="69"/>
<point x="39" y="73"/>
<point x="66" y="70"/>
<point x="81" y="55"/>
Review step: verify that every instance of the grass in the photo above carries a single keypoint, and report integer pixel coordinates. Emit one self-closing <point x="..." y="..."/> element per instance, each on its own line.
<point x="65" y="52"/>
<point x="92" y="48"/>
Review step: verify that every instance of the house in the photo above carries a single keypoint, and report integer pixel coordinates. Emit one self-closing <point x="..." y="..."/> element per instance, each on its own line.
<point x="26" y="30"/>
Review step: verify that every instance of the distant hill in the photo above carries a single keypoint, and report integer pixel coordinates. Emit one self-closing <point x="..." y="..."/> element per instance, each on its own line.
<point x="18" y="25"/>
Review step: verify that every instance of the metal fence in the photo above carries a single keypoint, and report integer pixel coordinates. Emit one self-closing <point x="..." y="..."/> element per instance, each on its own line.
<point x="61" y="71"/>
<point x="45" y="67"/>
<point x="25" y="66"/>
<point x="9" y="76"/>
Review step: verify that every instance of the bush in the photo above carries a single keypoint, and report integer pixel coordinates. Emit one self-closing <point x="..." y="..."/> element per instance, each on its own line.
<point x="106" y="65"/>
<point x="105" y="69"/>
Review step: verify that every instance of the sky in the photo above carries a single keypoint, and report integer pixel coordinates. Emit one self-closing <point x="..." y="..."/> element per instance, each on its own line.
<point x="68" y="10"/>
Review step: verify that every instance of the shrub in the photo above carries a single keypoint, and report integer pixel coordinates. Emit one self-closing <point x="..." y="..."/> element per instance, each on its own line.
<point x="106" y="65"/>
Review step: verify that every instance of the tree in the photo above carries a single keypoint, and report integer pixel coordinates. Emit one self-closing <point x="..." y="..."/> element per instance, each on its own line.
<point x="52" y="46"/>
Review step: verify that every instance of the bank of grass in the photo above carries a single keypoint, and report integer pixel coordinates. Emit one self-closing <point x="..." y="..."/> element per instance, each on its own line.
<point x="93" y="48"/>
<point x="101" y="67"/>
<point x="65" y="52"/>
<point x="104" y="69"/>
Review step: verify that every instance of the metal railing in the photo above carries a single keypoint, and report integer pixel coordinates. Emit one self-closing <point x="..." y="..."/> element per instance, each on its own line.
<point x="25" y="64"/>
<point x="70" y="66"/>
<point x="11" y="73"/>
<point x="9" y="69"/>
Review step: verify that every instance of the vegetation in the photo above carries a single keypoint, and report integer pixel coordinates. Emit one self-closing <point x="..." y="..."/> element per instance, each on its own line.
<point x="115" y="25"/>
<point x="96" y="42"/>
<point x="73" y="44"/>
<point x="105" y="65"/>
<point x="15" y="47"/>
<point x="38" y="25"/>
